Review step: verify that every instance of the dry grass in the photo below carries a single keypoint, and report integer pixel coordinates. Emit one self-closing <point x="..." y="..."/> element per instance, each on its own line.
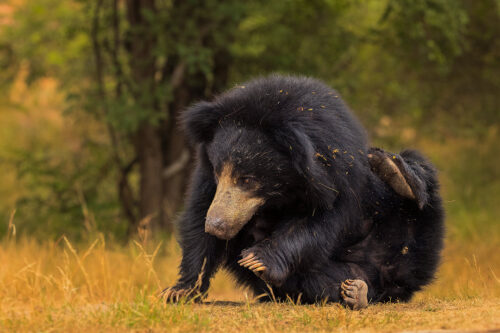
<point x="57" y="286"/>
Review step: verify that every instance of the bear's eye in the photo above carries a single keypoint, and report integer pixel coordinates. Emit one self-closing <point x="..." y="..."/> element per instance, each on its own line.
<point x="247" y="181"/>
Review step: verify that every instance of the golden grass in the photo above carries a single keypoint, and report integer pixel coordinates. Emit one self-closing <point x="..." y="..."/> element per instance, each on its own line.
<point x="58" y="286"/>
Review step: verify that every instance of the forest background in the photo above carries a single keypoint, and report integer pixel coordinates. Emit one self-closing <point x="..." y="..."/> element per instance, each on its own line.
<point x="90" y="91"/>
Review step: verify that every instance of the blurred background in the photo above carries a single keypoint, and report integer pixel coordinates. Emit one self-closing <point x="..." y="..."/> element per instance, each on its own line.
<point x="90" y="92"/>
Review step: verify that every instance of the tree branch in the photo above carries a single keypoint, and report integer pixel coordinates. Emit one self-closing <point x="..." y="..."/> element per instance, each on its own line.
<point x="178" y="75"/>
<point x="177" y="166"/>
<point x="126" y="195"/>
<point x="116" y="47"/>
<point x="96" y="47"/>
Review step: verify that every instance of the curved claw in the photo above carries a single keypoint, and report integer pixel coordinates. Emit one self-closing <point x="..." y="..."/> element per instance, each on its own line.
<point x="165" y="294"/>
<point x="173" y="295"/>
<point x="251" y="262"/>
<point x="169" y="294"/>
<point x="258" y="264"/>
<point x="246" y="259"/>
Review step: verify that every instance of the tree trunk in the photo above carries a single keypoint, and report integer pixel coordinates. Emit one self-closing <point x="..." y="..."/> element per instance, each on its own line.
<point x="176" y="153"/>
<point x="147" y="139"/>
<point x="149" y="152"/>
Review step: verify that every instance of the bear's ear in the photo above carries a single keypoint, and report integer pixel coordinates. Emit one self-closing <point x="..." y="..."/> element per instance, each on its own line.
<point x="199" y="122"/>
<point x="320" y="187"/>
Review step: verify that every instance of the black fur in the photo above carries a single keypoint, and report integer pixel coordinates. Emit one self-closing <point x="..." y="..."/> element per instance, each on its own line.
<point x="327" y="216"/>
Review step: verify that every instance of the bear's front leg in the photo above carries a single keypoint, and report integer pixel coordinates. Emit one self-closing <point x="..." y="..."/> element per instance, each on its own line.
<point x="202" y="253"/>
<point x="201" y="257"/>
<point x="294" y="244"/>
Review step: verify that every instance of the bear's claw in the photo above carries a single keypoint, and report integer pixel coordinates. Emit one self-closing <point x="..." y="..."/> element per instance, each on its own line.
<point x="354" y="293"/>
<point x="253" y="263"/>
<point x="249" y="257"/>
<point x="174" y="295"/>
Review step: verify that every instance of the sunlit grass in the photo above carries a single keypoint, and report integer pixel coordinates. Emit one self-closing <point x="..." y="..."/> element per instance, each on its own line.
<point x="64" y="286"/>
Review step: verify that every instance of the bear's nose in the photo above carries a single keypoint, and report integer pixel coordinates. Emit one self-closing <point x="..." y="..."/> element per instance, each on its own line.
<point x="215" y="226"/>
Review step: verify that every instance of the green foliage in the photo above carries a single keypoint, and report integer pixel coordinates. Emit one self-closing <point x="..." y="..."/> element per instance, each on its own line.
<point x="51" y="36"/>
<point x="418" y="73"/>
<point x="427" y="32"/>
<point x="63" y="190"/>
<point x="306" y="37"/>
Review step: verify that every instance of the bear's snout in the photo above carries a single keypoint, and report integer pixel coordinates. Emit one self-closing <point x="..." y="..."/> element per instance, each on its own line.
<point x="215" y="226"/>
<point x="232" y="207"/>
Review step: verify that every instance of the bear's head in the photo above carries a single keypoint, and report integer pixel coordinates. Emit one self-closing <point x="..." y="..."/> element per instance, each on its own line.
<point x="255" y="168"/>
<point x="250" y="174"/>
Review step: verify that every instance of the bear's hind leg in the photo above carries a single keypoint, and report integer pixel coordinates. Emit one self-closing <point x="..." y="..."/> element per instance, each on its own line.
<point x="346" y="283"/>
<point x="390" y="168"/>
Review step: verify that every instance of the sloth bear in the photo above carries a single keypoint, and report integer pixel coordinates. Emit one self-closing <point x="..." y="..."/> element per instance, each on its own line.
<point x="288" y="196"/>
